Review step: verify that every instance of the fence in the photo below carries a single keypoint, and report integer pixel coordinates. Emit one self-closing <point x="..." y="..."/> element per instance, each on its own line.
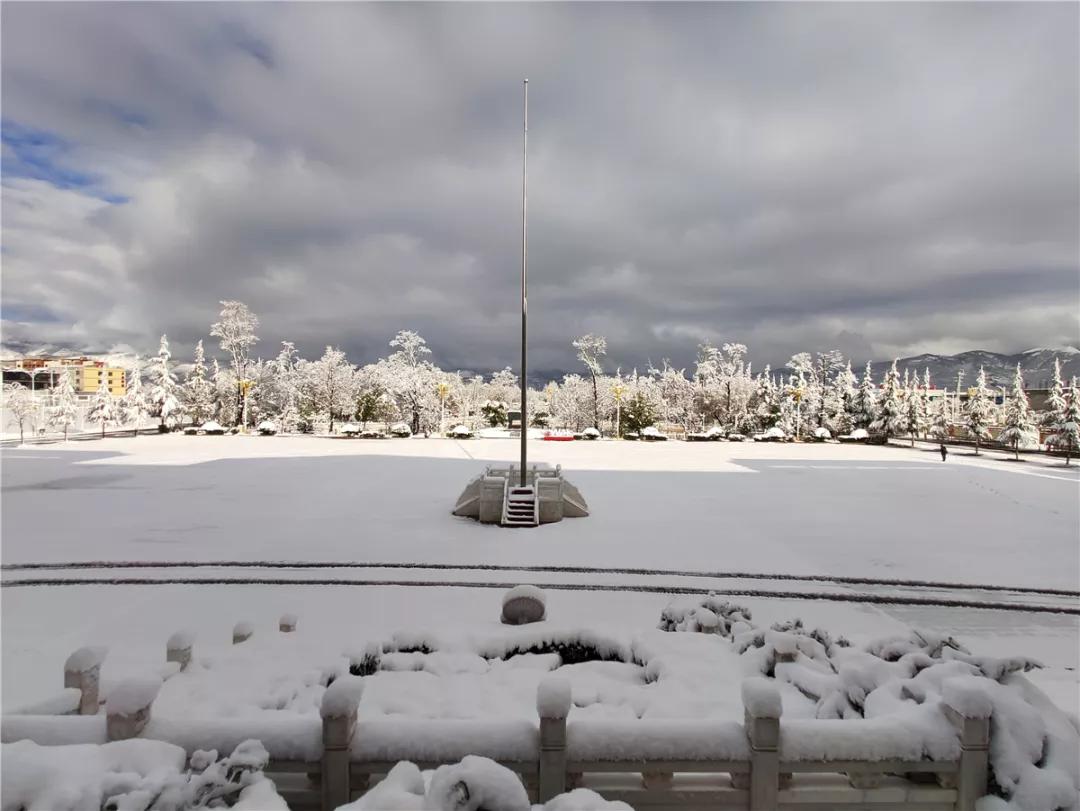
<point x="762" y="764"/>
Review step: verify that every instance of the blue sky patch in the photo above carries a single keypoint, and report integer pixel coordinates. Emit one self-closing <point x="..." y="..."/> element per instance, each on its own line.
<point x="44" y="155"/>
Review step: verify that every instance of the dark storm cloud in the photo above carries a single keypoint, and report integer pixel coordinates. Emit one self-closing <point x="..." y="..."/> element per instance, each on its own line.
<point x="883" y="178"/>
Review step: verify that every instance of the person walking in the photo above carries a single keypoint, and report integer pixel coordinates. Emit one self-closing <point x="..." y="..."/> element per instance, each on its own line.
<point x="944" y="451"/>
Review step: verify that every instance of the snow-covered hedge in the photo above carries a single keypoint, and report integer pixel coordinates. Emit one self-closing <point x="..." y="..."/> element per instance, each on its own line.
<point x="400" y="430"/>
<point x="211" y="427"/>
<point x="135" y="774"/>
<point x="472" y="784"/>
<point x="460" y="432"/>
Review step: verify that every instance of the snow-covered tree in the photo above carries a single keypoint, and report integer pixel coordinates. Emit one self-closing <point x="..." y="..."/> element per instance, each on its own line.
<point x="410" y="378"/>
<point x="19" y="403"/>
<point x="591" y="350"/>
<point x="1055" y="399"/>
<point x="767" y="401"/>
<point x="287" y="387"/>
<point x="979" y="410"/>
<point x="1019" y="422"/>
<point x="102" y="407"/>
<point x="133" y="406"/>
<point x="1066" y="425"/>
<point x="865" y="404"/>
<point x="66" y="411"/>
<point x="916" y="418"/>
<point x="330" y="384"/>
<point x="198" y="393"/>
<point x="939" y="426"/>
<point x="839" y="402"/>
<point x="889" y="413"/>
<point x="163" y="398"/>
<point x="236" y="331"/>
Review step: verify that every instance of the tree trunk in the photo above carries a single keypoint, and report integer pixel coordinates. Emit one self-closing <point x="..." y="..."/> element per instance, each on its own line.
<point x="595" y="404"/>
<point x="103" y="430"/>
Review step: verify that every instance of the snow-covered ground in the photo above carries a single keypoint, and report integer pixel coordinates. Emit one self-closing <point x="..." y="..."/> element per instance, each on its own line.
<point x="832" y="510"/>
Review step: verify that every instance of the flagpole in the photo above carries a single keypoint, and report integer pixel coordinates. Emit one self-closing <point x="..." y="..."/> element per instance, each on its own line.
<point x="524" y="285"/>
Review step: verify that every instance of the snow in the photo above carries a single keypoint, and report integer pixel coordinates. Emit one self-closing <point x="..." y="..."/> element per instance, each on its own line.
<point x="133" y="695"/>
<point x="680" y="739"/>
<point x="476" y="783"/>
<point x="181" y="640"/>
<point x="85" y="659"/>
<point x="342" y="697"/>
<point x="553" y="697"/>
<point x="76" y="777"/>
<point x="967" y="696"/>
<point x="761" y="698"/>
<point x="525" y="591"/>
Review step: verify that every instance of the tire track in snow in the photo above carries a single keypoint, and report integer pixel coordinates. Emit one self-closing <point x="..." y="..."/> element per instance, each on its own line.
<point x="671" y="590"/>
<point x="496" y="567"/>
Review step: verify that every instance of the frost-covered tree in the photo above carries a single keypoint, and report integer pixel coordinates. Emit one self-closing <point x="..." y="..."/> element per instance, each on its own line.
<point x="591" y="350"/>
<point x="225" y="389"/>
<point x="19" y="403"/>
<point x="198" y="393"/>
<point x="939" y="426"/>
<point x="163" y="398"/>
<point x="1055" y="399"/>
<point x="979" y="410"/>
<point x="330" y="384"/>
<point x="914" y="405"/>
<point x="1019" y="422"/>
<point x="66" y="411"/>
<point x="287" y="387"/>
<point x="865" y="405"/>
<point x="767" y="401"/>
<point x="133" y="406"/>
<point x="677" y="395"/>
<point x="102" y="407"/>
<point x="236" y="331"/>
<point x="839" y="402"/>
<point x="889" y="413"/>
<point x="1066" y="426"/>
<point x="410" y="378"/>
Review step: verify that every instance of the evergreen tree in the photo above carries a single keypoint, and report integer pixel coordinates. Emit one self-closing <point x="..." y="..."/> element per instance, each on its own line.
<point x="768" y="401"/>
<point x="865" y="404"/>
<point x="198" y="393"/>
<point x="939" y="427"/>
<point x="914" y="409"/>
<point x="1055" y="401"/>
<point x="979" y="410"/>
<point x="133" y="406"/>
<point x="889" y="416"/>
<point x="1018" y="419"/>
<point x="102" y="408"/>
<point x="66" y="411"/>
<point x="163" y="399"/>
<point x="638" y="413"/>
<point x="1067" y="425"/>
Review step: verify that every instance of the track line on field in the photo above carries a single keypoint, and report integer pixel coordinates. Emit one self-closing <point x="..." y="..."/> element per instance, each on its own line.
<point x="849" y="597"/>
<point x="552" y="569"/>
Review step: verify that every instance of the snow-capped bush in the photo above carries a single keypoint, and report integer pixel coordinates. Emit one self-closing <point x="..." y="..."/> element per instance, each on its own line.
<point x="460" y="432"/>
<point x="191" y="430"/>
<point x="350" y="429"/>
<point x="822" y="434"/>
<point x="710" y="614"/>
<point x="474" y="784"/>
<point x="267" y="428"/>
<point x="135" y="774"/>
<point x="399" y="429"/>
<point x="590" y="433"/>
<point x="213" y="428"/>
<point x="774" y="434"/>
<point x="653" y="434"/>
<point x="858" y="435"/>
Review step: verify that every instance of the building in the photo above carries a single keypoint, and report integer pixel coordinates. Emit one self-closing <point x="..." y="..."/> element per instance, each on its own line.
<point x="43" y="374"/>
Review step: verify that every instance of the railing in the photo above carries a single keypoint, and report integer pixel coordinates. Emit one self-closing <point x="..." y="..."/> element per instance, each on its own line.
<point x="761" y="764"/>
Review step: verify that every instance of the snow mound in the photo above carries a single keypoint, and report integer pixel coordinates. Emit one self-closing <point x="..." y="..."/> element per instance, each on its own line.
<point x="132" y="695"/>
<point x="553" y="697"/>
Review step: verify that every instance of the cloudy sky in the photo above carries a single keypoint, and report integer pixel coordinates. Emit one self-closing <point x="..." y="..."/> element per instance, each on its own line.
<point x="886" y="179"/>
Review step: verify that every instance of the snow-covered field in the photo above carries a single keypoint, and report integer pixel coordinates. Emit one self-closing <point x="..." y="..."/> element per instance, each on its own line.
<point x="889" y="513"/>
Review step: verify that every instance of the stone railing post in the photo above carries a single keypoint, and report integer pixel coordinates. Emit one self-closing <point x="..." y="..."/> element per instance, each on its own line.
<point x="82" y="670"/>
<point x="287" y="623"/>
<point x="178" y="648"/>
<point x="968" y="707"/>
<point x="241" y="632"/>
<point x="128" y="708"/>
<point x="338" y="710"/>
<point x="761" y="701"/>
<point x="553" y="705"/>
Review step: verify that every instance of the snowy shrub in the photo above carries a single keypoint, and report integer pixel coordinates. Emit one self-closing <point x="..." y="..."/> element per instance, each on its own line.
<point x="350" y="429"/>
<point x="474" y="784"/>
<point x="400" y="430"/>
<point x="135" y="774"/>
<point x="460" y="432"/>
<point x="710" y="614"/>
<point x="213" y="428"/>
<point x="267" y="428"/>
<point x="590" y="433"/>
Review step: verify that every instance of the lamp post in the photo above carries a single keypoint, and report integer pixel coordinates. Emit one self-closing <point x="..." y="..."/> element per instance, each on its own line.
<point x="524" y="284"/>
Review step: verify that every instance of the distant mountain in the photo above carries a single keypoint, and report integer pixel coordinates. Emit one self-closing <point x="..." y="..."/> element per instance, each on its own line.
<point x="1036" y="364"/>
